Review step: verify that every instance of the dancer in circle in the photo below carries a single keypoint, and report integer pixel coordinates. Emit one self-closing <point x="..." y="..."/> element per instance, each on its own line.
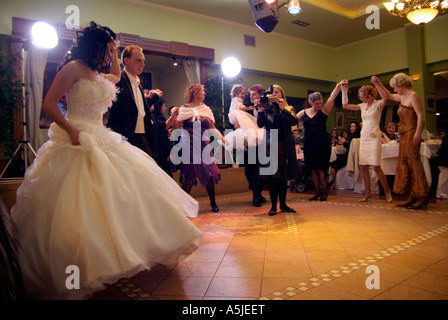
<point x="370" y="143"/>
<point x="410" y="176"/>
<point x="91" y="201"/>
<point x="317" y="141"/>
<point x="205" y="170"/>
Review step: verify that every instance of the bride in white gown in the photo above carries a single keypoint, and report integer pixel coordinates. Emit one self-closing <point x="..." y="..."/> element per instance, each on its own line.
<point x="90" y="199"/>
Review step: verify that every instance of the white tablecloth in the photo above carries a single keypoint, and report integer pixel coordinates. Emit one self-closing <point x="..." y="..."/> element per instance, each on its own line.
<point x="350" y="177"/>
<point x="389" y="157"/>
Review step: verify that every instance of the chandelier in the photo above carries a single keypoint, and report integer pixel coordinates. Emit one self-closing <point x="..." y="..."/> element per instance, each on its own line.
<point x="417" y="11"/>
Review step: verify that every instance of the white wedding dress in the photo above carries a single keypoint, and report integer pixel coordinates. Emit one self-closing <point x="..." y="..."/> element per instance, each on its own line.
<point x="103" y="206"/>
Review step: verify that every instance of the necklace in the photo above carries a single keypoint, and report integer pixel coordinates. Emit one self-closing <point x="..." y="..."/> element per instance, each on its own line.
<point x="407" y="94"/>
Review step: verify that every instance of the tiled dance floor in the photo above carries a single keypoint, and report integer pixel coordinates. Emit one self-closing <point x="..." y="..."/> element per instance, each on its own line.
<point x="321" y="252"/>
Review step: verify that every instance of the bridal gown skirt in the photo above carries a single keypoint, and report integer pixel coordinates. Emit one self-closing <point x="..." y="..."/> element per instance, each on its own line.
<point x="104" y="207"/>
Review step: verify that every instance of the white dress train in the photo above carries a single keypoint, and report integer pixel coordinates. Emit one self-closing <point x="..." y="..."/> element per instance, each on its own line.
<point x="103" y="206"/>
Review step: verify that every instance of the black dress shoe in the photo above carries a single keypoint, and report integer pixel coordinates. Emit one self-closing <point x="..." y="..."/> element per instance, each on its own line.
<point x="256" y="203"/>
<point x="262" y="199"/>
<point x="315" y="197"/>
<point x="214" y="207"/>
<point x="287" y="209"/>
<point x="324" y="197"/>
<point x="272" y="212"/>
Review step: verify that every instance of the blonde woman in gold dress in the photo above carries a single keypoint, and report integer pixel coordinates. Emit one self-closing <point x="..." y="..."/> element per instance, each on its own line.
<point x="410" y="176"/>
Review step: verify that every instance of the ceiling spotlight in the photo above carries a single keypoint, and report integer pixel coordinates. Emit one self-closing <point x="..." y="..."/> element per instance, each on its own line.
<point x="294" y="7"/>
<point x="174" y="61"/>
<point x="265" y="14"/>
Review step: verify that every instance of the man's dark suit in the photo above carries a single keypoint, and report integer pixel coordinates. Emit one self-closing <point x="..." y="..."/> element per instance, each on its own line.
<point x="123" y="115"/>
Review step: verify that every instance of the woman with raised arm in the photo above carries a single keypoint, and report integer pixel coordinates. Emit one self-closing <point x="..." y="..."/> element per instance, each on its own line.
<point x="410" y="176"/>
<point x="93" y="208"/>
<point x="370" y="143"/>
<point x="317" y="141"/>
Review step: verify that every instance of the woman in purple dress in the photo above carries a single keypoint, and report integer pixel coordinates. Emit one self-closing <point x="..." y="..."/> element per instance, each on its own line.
<point x="195" y="115"/>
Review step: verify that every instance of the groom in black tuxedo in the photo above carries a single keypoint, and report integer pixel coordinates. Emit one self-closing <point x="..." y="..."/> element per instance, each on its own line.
<point x="130" y="115"/>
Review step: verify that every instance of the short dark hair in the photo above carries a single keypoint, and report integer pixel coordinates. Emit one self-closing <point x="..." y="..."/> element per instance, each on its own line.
<point x="257" y="87"/>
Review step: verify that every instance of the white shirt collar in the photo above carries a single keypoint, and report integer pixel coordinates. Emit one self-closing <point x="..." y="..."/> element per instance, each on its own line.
<point x="134" y="80"/>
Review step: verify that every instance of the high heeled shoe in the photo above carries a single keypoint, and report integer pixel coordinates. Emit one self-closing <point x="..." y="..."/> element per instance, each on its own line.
<point x="214" y="207"/>
<point x="407" y="203"/>
<point x="419" y="204"/>
<point x="389" y="198"/>
<point x="315" y="197"/>
<point x="324" y="197"/>
<point x="366" y="198"/>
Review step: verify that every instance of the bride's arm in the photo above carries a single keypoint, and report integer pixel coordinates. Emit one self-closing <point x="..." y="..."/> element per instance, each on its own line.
<point x="115" y="71"/>
<point x="62" y="83"/>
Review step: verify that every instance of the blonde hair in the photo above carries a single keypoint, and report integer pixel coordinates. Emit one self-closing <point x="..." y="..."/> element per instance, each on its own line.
<point x="287" y="106"/>
<point x="401" y="80"/>
<point x="369" y="91"/>
<point x="236" y="90"/>
<point x="192" y="91"/>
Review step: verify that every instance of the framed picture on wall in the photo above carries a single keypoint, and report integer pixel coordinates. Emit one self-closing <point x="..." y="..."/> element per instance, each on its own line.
<point x="351" y="114"/>
<point x="430" y="102"/>
<point x="340" y="120"/>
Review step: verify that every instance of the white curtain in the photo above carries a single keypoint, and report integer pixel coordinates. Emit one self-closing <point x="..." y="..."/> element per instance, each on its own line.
<point x="35" y="62"/>
<point x="192" y="71"/>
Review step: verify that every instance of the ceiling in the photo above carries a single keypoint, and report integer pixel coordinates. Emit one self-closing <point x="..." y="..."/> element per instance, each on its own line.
<point x="332" y="23"/>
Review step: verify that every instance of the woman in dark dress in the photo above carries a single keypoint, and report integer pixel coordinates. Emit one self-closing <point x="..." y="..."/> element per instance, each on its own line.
<point x="194" y="114"/>
<point x="317" y="142"/>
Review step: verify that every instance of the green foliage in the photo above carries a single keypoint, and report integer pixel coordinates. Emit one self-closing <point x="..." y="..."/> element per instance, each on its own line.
<point x="213" y="98"/>
<point x="10" y="100"/>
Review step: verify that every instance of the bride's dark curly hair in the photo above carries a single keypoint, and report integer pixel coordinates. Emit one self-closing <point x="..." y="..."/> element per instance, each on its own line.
<point x="91" y="47"/>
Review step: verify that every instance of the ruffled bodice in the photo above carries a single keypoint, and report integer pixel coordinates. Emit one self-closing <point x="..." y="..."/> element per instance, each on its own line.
<point x="90" y="99"/>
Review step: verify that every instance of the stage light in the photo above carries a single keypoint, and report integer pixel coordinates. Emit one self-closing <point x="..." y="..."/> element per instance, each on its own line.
<point x="174" y="61"/>
<point x="44" y="35"/>
<point x="230" y="67"/>
<point x="265" y="15"/>
<point x="266" y="12"/>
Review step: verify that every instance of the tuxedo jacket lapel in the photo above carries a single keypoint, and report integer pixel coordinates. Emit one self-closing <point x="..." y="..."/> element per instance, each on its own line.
<point x="129" y="87"/>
